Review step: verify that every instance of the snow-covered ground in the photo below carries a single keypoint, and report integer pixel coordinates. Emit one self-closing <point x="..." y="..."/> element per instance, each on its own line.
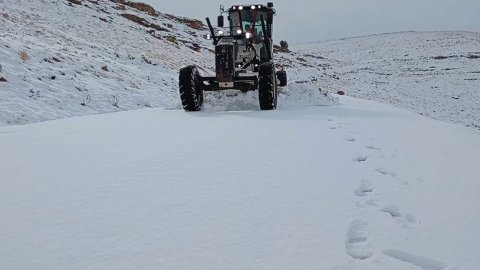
<point x="350" y="184"/>
<point x="355" y="186"/>
<point x="436" y="74"/>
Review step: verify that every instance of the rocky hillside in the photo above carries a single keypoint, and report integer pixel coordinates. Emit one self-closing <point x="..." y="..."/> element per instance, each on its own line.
<point x="69" y="58"/>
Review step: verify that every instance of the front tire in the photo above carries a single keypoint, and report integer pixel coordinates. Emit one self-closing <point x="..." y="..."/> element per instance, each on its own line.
<point x="267" y="86"/>
<point x="191" y="92"/>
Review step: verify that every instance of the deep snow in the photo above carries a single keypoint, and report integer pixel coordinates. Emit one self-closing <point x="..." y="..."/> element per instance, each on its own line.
<point x="353" y="186"/>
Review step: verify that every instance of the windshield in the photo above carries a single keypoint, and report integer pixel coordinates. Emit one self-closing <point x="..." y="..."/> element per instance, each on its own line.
<point x="248" y="21"/>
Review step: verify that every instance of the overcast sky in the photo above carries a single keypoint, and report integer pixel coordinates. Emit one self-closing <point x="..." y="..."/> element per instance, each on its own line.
<point x="314" y="20"/>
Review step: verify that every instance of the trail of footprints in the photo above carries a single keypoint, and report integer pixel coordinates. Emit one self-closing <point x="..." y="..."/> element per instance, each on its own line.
<point x="357" y="242"/>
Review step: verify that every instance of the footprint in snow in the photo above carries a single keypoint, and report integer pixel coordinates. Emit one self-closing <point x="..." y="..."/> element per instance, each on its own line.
<point x="400" y="216"/>
<point x="356" y="243"/>
<point x="360" y="159"/>
<point x="371" y="147"/>
<point x="350" y="139"/>
<point x="386" y="172"/>
<point x="364" y="189"/>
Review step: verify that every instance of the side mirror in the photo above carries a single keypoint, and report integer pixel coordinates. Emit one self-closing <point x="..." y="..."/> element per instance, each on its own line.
<point x="220" y="21"/>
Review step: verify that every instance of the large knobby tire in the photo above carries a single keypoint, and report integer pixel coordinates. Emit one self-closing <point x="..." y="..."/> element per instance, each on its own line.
<point x="282" y="78"/>
<point x="191" y="91"/>
<point x="267" y="86"/>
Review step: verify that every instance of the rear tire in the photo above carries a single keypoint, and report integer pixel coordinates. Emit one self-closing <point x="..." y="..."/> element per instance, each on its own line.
<point x="282" y="78"/>
<point x="191" y="91"/>
<point x="267" y="86"/>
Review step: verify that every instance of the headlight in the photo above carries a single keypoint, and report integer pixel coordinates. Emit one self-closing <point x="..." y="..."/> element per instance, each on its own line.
<point x="248" y="35"/>
<point x="240" y="8"/>
<point x="253" y="7"/>
<point x="239" y="31"/>
<point x="220" y="32"/>
<point x="209" y="36"/>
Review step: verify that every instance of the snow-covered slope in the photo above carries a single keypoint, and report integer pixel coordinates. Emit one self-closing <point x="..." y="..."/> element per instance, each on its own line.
<point x="436" y="74"/>
<point x="355" y="186"/>
<point x="62" y="59"/>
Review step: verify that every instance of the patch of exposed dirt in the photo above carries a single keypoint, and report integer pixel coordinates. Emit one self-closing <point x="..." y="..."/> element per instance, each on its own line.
<point x="143" y="22"/>
<point x="192" y="23"/>
<point x="138" y="6"/>
<point x="76" y="2"/>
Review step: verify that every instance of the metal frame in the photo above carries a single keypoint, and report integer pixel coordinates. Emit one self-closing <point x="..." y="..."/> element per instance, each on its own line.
<point x="243" y="83"/>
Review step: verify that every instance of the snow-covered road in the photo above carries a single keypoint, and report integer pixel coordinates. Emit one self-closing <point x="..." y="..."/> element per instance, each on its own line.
<point x="354" y="186"/>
